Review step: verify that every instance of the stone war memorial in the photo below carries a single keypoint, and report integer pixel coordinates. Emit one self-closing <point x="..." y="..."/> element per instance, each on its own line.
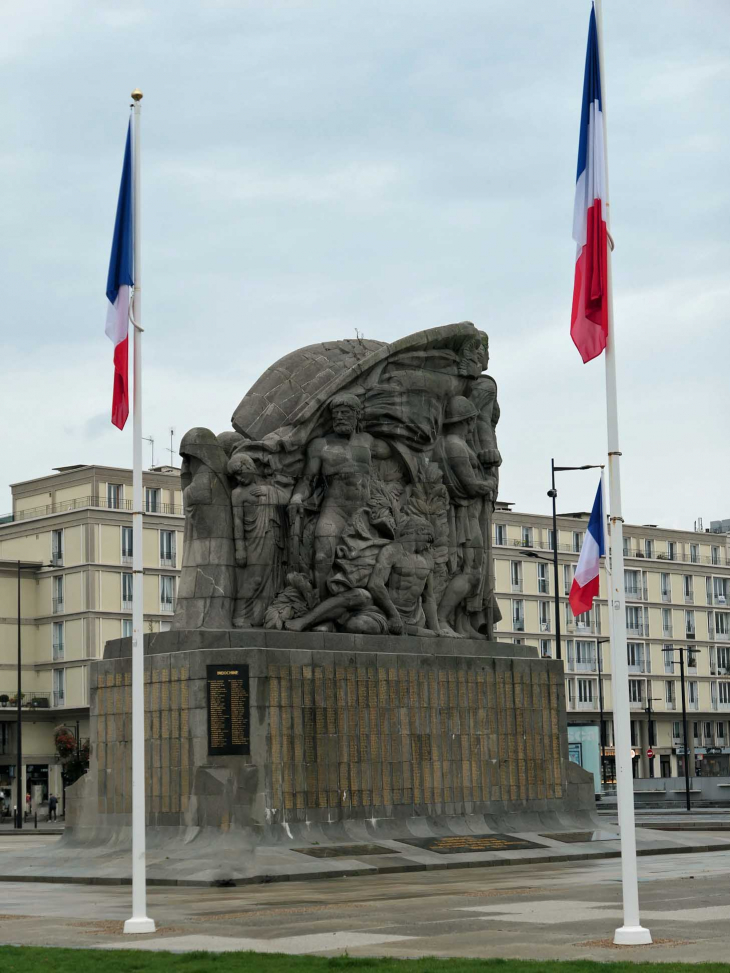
<point x="331" y="674"/>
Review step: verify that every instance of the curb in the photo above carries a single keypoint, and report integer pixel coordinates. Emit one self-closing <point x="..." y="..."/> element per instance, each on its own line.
<point x="353" y="872"/>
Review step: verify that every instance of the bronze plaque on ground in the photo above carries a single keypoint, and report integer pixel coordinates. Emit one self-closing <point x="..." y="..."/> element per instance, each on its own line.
<point x="228" y="711"/>
<point x="460" y="844"/>
<point x="345" y="851"/>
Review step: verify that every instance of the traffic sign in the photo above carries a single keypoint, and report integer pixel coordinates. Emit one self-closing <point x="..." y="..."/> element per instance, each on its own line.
<point x="650" y="753"/>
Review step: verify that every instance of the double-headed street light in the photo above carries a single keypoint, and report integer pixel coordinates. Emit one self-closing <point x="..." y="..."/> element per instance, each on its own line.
<point x="553" y="493"/>
<point x="691" y="651"/>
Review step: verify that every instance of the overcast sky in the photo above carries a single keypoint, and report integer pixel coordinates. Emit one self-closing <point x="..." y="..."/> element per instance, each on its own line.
<point x="315" y="167"/>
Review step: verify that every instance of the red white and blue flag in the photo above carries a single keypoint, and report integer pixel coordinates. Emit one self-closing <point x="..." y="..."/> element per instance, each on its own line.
<point x="118" y="283"/>
<point x="586" y="582"/>
<point x="589" y="319"/>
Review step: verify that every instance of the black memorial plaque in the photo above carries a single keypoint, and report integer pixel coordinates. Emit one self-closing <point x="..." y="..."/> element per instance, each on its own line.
<point x="229" y="713"/>
<point x="461" y="844"/>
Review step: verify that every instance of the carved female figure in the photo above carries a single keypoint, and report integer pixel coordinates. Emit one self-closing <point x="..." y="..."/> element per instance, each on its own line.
<point x="259" y="541"/>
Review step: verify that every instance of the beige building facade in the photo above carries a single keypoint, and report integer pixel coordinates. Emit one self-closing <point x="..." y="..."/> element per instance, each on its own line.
<point x="72" y="533"/>
<point x="677" y="597"/>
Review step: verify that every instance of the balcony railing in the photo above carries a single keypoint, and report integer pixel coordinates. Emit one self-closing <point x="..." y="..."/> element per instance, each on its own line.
<point x="127" y="558"/>
<point x="59" y="697"/>
<point x="666" y="595"/>
<point x="9" y="700"/>
<point x="636" y="704"/>
<point x="79" y="504"/>
<point x="720" y="706"/>
<point x="670" y="704"/>
<point x="584" y="704"/>
<point x="517" y="585"/>
<point x="720" y="561"/>
<point x="57" y="605"/>
<point x="639" y="629"/>
<point x="57" y="559"/>
<point x="518" y="624"/>
<point x="168" y="561"/>
<point x="689" y="598"/>
<point x="126" y="605"/>
<point x="58" y="650"/>
<point x="544" y="626"/>
<point x="169" y="606"/>
<point x="637" y="592"/>
<point x="643" y="666"/>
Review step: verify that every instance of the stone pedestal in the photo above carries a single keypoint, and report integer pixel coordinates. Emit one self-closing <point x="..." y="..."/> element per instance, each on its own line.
<point x="342" y="728"/>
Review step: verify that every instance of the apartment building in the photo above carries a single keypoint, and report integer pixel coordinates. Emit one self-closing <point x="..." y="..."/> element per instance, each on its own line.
<point x="70" y="533"/>
<point x="677" y="597"/>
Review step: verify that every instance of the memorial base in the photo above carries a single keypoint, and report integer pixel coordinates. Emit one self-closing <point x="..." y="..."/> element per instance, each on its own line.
<point x="329" y="730"/>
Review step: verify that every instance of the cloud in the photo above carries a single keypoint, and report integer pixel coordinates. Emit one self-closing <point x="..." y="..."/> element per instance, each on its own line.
<point x="313" y="167"/>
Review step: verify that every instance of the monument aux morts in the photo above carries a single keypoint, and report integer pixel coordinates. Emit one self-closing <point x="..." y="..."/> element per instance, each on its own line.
<point x="331" y="659"/>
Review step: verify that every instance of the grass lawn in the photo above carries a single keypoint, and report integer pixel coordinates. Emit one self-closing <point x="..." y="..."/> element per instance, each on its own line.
<point x="31" y="959"/>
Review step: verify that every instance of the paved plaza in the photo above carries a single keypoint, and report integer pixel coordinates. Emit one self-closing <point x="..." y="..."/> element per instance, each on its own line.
<point x="565" y="910"/>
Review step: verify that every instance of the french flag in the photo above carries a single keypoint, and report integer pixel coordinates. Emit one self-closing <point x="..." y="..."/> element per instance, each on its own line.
<point x="586" y="581"/>
<point x="589" y="319"/>
<point x="119" y="280"/>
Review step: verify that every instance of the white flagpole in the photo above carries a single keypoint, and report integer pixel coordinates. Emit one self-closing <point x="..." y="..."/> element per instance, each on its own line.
<point x="139" y="921"/>
<point x="632" y="933"/>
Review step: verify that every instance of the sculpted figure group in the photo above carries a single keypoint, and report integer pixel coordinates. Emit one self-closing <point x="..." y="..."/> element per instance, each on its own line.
<point x="355" y="494"/>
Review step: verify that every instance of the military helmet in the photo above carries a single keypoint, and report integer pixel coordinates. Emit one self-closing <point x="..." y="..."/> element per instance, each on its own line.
<point x="458" y="409"/>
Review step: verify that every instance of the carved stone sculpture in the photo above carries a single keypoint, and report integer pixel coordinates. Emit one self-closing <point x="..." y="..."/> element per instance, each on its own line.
<point x="360" y="484"/>
<point x="207" y="586"/>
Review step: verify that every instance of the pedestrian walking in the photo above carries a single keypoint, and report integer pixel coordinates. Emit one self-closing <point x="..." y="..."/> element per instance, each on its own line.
<point x="52" y="805"/>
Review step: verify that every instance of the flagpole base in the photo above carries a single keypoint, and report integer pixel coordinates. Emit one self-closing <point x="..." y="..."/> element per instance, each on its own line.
<point x="631" y="936"/>
<point x="139" y="924"/>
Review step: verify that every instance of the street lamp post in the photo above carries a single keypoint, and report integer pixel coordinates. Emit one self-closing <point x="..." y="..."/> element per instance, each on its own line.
<point x="681" y="651"/>
<point x="599" y="643"/>
<point x="651" y="736"/>
<point x="553" y="494"/>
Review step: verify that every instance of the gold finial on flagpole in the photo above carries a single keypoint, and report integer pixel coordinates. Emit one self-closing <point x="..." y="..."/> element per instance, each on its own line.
<point x="137" y="94"/>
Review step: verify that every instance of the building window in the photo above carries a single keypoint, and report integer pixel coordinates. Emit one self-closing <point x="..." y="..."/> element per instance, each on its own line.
<point x="568" y="575"/>
<point x="58" y="642"/>
<point x="719" y="591"/>
<point x="689" y="623"/>
<point x="724" y="693"/>
<point x="715" y="555"/>
<point x="648" y="548"/>
<point x="126" y="628"/>
<point x="577" y="540"/>
<point x="551" y="539"/>
<point x="636" y="691"/>
<point x="518" y="616"/>
<point x="634" y="733"/>
<point x="688" y="587"/>
<point x="720" y="732"/>
<point x="668" y="652"/>
<point x="666" y="621"/>
<point x="546" y="651"/>
<point x="694" y="553"/>
<point x="127" y="545"/>
<point x="627" y="546"/>
<point x="59" y="687"/>
<point x="515" y="573"/>
<point x="527" y="536"/>
<point x="167" y="593"/>
<point x="676" y="730"/>
<point x="635" y="620"/>
<point x="670" y="696"/>
<point x="114" y="495"/>
<point x="723" y="660"/>
<point x="666" y="585"/>
<point x="672" y="550"/>
<point x="57" y="547"/>
<point x="722" y="625"/>
<point x="693" y="696"/>
<point x="167" y="548"/>
<point x="543" y="578"/>
<point x="635" y="653"/>
<point x="500" y="535"/>
<point x="707" y="732"/>
<point x="585" y="690"/>
<point x="127" y="589"/>
<point x="152" y="500"/>
<point x="58" y="594"/>
<point x="544" y="613"/>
